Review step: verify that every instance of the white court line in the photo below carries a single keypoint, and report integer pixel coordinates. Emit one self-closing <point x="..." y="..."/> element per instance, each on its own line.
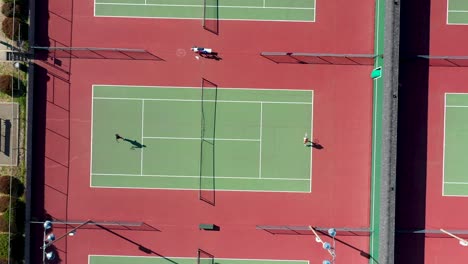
<point x="311" y="136"/>
<point x="217" y="139"/>
<point x="443" y="145"/>
<point x="374" y="158"/>
<point x="446" y="17"/>
<point x="458" y="11"/>
<point x="261" y="126"/>
<point x="457" y="195"/>
<point x="456" y="183"/>
<point x="221" y="19"/>
<point x="315" y="10"/>
<point x="91" y="141"/>
<point x="196" y="100"/>
<point x="142" y="135"/>
<point x="461" y="106"/>
<point x="245" y="7"/>
<point x="193" y="87"/>
<point x="196" y="189"/>
<point x="193" y="176"/>
<point x="166" y="257"/>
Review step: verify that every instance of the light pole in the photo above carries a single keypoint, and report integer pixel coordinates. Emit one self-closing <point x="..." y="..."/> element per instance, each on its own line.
<point x="49" y="239"/>
<point x="462" y="241"/>
<point x="325" y="245"/>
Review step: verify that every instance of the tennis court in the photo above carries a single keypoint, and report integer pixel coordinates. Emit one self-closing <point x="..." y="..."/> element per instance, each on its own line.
<point x="185" y="137"/>
<point x="456" y="145"/>
<point x="96" y="259"/>
<point x="457" y="12"/>
<point x="269" y="10"/>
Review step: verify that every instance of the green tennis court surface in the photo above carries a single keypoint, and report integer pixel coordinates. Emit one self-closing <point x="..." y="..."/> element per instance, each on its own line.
<point x="170" y="260"/>
<point x="274" y="10"/>
<point x="457" y="12"/>
<point x="252" y="138"/>
<point x="456" y="145"/>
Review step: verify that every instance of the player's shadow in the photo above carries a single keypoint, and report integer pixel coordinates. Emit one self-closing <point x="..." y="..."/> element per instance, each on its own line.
<point x="135" y="144"/>
<point x="211" y="56"/>
<point x="314" y="145"/>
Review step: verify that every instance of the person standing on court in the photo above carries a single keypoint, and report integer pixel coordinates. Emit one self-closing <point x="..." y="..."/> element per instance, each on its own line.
<point x="202" y="51"/>
<point x="118" y="137"/>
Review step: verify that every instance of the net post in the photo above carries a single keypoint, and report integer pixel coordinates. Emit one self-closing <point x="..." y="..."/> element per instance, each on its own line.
<point x="204" y="257"/>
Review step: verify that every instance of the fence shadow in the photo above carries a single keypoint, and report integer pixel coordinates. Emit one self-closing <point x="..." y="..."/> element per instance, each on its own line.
<point x="412" y="131"/>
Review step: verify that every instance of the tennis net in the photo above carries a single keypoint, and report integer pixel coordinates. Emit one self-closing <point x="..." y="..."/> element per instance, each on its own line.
<point x="211" y="16"/>
<point x="204" y="257"/>
<point x="207" y="147"/>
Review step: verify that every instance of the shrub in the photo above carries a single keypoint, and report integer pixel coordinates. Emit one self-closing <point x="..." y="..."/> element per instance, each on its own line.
<point x="8" y="11"/>
<point x="17" y="1"/>
<point x="14" y="33"/>
<point x="4" y="244"/>
<point x="16" y="184"/>
<point x="5" y="221"/>
<point x="5" y="85"/>
<point x="4" y="224"/>
<point x="4" y="203"/>
<point x="8" y="82"/>
<point x="5" y="184"/>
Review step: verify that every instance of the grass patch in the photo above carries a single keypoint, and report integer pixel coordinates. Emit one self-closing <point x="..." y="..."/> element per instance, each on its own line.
<point x="4" y="203"/>
<point x="4" y="244"/>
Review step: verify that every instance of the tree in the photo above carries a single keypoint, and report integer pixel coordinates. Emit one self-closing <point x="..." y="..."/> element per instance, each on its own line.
<point x="14" y="28"/>
<point x="6" y="84"/>
<point x="9" y="11"/>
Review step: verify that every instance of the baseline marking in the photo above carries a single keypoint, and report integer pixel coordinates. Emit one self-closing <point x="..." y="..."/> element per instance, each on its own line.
<point x="193" y="87"/>
<point x="142" y="134"/>
<point x="443" y="145"/>
<point x="196" y="100"/>
<point x="225" y="139"/>
<point x="261" y="129"/>
<point x="190" y="176"/>
<point x="127" y="256"/>
<point x="245" y="7"/>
